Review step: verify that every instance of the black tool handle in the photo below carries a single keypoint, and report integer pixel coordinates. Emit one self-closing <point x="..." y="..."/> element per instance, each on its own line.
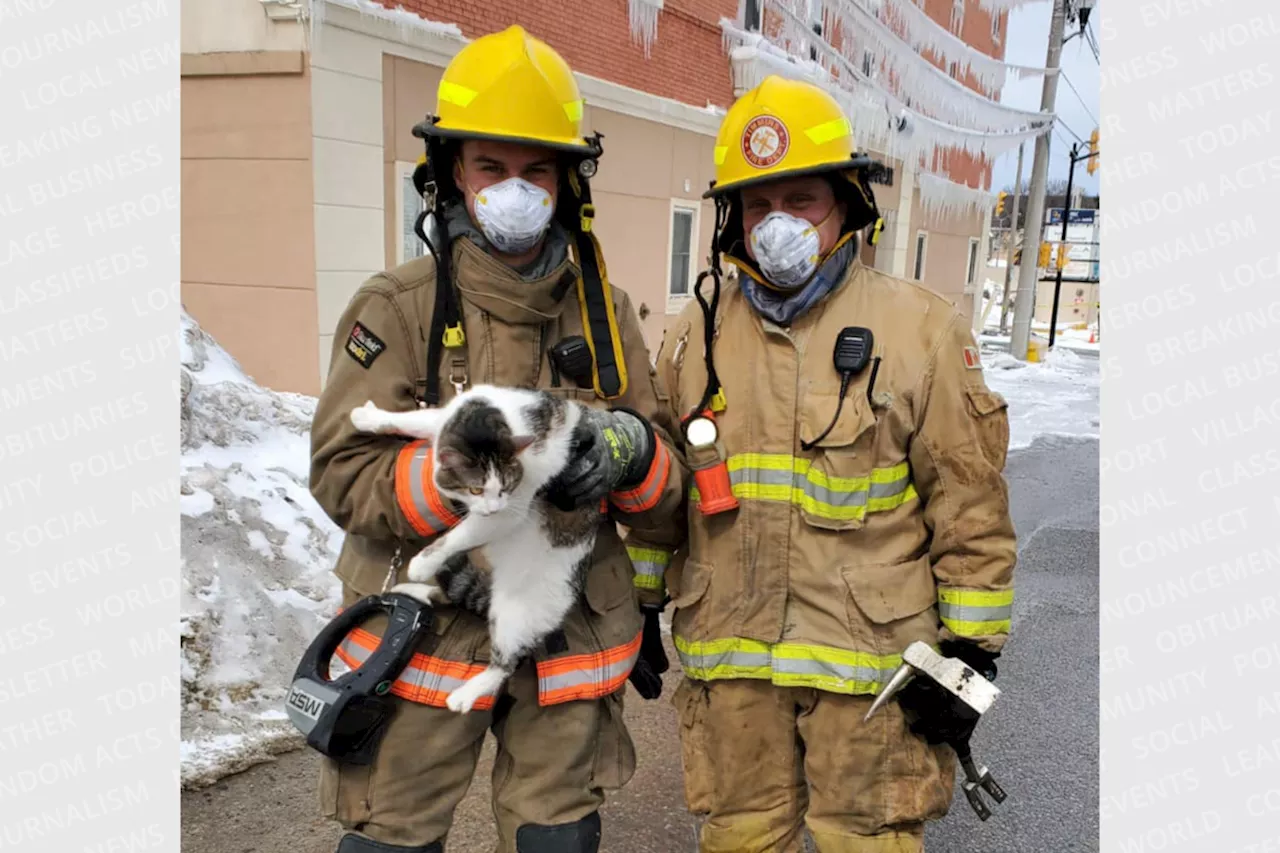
<point x="404" y="619"/>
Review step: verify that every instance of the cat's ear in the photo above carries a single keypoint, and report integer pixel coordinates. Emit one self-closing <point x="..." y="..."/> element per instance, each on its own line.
<point x="449" y="458"/>
<point x="520" y="442"/>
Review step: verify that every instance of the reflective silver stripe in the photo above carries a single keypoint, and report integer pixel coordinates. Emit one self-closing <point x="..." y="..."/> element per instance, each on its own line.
<point x="419" y="469"/>
<point x="726" y="658"/>
<point x="650" y="565"/>
<point x="889" y="490"/>
<point x="412" y="676"/>
<point x="816" y="491"/>
<point x="787" y="664"/>
<point x="634" y="500"/>
<point x="970" y="613"/>
<point x="845" y="672"/>
<point x="598" y="676"/>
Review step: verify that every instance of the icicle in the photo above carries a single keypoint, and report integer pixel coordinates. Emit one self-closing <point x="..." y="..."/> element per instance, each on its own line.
<point x="643" y="16"/>
<point x="407" y="23"/>
<point x="942" y="199"/>
<point x="1003" y="5"/>
<point x="314" y="11"/>
<point x="924" y="33"/>
<point x="880" y="120"/>
<point x="929" y="87"/>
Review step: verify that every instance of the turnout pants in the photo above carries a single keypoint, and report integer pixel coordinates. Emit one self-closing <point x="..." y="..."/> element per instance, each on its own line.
<point x="761" y="762"/>
<point x="552" y="766"/>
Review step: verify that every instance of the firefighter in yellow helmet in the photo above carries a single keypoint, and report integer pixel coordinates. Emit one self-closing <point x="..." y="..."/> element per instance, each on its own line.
<point x="513" y="292"/>
<point x="848" y="499"/>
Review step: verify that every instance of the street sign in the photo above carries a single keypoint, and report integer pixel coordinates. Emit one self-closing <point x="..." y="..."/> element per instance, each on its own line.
<point x="1079" y="216"/>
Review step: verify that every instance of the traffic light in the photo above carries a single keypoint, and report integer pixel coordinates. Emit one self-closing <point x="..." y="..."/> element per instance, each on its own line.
<point x="1045" y="250"/>
<point x="1000" y="203"/>
<point x="1093" y="149"/>
<point x="1062" y="255"/>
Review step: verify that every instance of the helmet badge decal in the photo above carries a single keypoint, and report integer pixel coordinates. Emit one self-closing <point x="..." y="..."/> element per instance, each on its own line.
<point x="765" y="141"/>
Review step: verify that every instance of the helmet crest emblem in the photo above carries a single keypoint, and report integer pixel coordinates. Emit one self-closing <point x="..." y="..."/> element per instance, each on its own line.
<point x="765" y="141"/>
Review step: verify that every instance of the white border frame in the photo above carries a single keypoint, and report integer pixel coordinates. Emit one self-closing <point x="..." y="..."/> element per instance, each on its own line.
<point x="971" y="278"/>
<point x="403" y="170"/>
<point x="921" y="256"/>
<point x="676" y="302"/>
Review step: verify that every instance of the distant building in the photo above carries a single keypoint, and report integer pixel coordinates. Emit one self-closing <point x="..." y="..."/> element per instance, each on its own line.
<point x="297" y="155"/>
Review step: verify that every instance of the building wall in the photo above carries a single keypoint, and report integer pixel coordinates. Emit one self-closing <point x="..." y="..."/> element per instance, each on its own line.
<point x="248" y="269"/>
<point x="687" y="62"/>
<point x="976" y="31"/>
<point x="946" y="254"/>
<point x="347" y="140"/>
<point x="372" y="81"/>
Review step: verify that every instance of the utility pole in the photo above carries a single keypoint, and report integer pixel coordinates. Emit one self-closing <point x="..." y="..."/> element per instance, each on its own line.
<point x="1024" y="308"/>
<point x="1010" y="241"/>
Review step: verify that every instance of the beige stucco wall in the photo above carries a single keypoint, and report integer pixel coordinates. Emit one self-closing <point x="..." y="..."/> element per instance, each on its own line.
<point x="248" y="268"/>
<point x="947" y="253"/>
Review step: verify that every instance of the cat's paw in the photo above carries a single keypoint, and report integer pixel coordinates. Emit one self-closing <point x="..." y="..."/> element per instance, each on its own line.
<point x="425" y="565"/>
<point x="369" y="418"/>
<point x="427" y="593"/>
<point x="463" y="699"/>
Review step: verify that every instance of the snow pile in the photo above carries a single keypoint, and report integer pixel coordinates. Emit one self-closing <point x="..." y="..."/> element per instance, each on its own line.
<point x="1058" y="396"/>
<point x="257" y="559"/>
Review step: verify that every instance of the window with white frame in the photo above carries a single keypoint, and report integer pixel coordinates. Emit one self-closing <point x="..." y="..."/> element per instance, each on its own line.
<point x="995" y="27"/>
<point x="683" y="239"/>
<point x="973" y="261"/>
<point x="409" y="204"/>
<point x="957" y="15"/>
<point x="922" y="247"/>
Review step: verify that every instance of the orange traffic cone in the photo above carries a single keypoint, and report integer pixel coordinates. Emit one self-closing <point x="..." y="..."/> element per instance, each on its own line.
<point x="1093" y="336"/>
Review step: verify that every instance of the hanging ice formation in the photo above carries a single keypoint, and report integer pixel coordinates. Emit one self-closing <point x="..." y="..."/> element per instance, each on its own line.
<point x="643" y="17"/>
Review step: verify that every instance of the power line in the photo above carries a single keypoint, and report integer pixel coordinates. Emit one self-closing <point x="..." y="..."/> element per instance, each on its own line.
<point x="1080" y="99"/>
<point x="1092" y="41"/>
<point x="1059" y="122"/>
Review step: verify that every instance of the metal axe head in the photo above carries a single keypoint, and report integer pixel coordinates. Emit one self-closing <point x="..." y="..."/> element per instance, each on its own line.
<point x="899" y="680"/>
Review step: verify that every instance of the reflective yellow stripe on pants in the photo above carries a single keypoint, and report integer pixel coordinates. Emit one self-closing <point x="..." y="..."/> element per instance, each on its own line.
<point x="787" y="664"/>
<point x="783" y="478"/>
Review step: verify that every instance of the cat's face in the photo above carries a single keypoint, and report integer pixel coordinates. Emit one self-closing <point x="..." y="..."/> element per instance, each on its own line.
<point x="478" y="460"/>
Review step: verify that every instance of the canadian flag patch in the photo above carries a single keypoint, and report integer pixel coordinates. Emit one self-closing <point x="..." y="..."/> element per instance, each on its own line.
<point x="972" y="359"/>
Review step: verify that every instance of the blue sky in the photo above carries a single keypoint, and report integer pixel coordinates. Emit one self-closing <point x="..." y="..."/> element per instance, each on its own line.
<point x="1027" y="41"/>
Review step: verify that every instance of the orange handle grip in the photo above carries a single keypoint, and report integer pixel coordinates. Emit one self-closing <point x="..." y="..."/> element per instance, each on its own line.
<point x="714" y="489"/>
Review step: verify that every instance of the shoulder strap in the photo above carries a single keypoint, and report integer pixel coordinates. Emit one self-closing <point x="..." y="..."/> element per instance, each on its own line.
<point x="595" y="297"/>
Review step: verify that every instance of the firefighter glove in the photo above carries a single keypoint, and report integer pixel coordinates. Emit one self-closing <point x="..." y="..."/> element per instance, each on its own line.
<point x="935" y="714"/>
<point x="646" y="676"/>
<point x="611" y="450"/>
<point x="975" y="656"/>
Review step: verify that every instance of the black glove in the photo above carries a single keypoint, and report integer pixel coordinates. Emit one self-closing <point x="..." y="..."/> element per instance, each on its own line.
<point x="973" y="655"/>
<point x="646" y="675"/>
<point x="933" y="712"/>
<point x="611" y="450"/>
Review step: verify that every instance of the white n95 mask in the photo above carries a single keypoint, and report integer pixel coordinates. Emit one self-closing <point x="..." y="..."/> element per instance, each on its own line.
<point x="786" y="248"/>
<point x="514" y="214"/>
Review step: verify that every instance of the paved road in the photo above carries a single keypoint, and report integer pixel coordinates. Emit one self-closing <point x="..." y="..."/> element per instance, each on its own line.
<point x="1041" y="740"/>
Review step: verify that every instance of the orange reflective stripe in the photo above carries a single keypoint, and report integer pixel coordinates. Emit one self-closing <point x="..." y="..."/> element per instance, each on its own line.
<point x="586" y="676"/>
<point x="646" y="495"/>
<point x="416" y="491"/>
<point x="426" y="680"/>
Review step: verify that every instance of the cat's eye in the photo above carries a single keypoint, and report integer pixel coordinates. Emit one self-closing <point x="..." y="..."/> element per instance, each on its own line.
<point x="476" y="491"/>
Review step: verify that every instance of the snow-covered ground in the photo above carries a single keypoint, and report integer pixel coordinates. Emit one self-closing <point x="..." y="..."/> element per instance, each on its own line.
<point x="257" y="560"/>
<point x="1058" y="396"/>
